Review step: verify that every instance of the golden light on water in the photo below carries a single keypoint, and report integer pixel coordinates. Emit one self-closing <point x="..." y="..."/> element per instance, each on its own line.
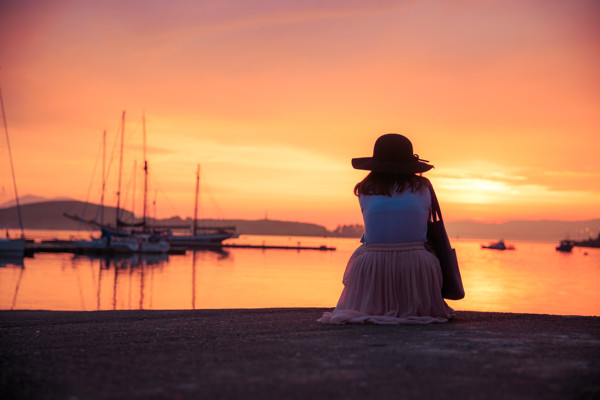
<point x="534" y="278"/>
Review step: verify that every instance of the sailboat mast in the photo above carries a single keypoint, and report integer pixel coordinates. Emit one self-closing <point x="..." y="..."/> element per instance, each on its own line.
<point x="196" y="201"/>
<point x="145" y="176"/>
<point x="12" y="168"/>
<point x="134" y="189"/>
<point x="154" y="204"/>
<point x="103" y="177"/>
<point x="120" y="170"/>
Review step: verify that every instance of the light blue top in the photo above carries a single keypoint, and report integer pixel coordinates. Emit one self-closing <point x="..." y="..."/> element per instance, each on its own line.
<point x="400" y="218"/>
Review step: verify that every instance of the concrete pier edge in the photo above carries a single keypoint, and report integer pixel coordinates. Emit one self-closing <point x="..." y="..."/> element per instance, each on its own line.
<point x="284" y="353"/>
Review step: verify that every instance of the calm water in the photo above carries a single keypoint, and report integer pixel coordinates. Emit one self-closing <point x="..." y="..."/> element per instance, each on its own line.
<point x="534" y="278"/>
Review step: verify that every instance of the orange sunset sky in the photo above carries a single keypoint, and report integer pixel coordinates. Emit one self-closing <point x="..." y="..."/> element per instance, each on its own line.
<point x="274" y="97"/>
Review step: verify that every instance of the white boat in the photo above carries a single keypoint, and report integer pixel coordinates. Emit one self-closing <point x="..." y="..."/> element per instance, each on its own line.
<point x="209" y="235"/>
<point x="150" y="243"/>
<point x="128" y="244"/>
<point x="123" y="245"/>
<point x="122" y="238"/>
<point x="93" y="245"/>
<point x="12" y="247"/>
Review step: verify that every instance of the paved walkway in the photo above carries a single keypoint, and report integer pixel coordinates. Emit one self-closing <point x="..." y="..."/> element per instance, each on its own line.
<point x="284" y="354"/>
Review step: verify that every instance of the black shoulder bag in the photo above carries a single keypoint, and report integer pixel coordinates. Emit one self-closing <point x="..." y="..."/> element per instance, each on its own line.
<point x="452" y="287"/>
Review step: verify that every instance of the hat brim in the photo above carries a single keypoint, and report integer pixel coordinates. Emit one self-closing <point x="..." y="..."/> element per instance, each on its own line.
<point x="370" y="164"/>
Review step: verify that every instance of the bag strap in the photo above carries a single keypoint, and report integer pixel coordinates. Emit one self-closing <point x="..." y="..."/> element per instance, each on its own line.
<point x="436" y="212"/>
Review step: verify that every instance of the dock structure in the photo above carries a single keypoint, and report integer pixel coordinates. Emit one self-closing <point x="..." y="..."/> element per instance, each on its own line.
<point x="51" y="246"/>
<point x="66" y="246"/>
<point x="265" y="246"/>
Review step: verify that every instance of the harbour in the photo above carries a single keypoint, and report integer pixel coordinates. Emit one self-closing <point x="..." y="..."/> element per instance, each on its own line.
<point x="183" y="186"/>
<point x="534" y="278"/>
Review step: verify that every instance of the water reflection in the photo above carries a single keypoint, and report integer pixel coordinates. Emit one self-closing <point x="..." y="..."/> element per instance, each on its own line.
<point x="128" y="282"/>
<point x="534" y="278"/>
<point x="196" y="254"/>
<point x="11" y="261"/>
<point x="117" y="271"/>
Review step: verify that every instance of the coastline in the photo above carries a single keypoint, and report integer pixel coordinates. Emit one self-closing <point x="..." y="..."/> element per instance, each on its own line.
<point x="284" y="353"/>
<point x="49" y="215"/>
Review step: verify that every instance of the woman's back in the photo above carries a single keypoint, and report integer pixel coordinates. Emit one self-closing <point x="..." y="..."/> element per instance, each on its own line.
<point x="399" y="218"/>
<point x="392" y="278"/>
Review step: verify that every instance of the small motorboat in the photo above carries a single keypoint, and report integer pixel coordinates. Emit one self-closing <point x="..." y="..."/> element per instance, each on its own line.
<point x="565" y="246"/>
<point x="499" y="245"/>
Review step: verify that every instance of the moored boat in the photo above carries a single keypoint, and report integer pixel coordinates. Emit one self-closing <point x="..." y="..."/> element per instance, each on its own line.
<point x="209" y="237"/>
<point x="151" y="243"/>
<point x="122" y="238"/>
<point x="12" y="247"/>
<point x="565" y="246"/>
<point x="499" y="245"/>
<point x="589" y="243"/>
<point x="124" y="243"/>
<point x="94" y="245"/>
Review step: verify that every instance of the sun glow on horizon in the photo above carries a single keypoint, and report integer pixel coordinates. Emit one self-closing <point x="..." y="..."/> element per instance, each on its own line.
<point x="274" y="98"/>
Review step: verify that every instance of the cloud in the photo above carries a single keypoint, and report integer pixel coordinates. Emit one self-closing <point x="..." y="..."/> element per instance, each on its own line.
<point x="274" y="97"/>
<point x="488" y="183"/>
<point x="268" y="159"/>
<point x="567" y="180"/>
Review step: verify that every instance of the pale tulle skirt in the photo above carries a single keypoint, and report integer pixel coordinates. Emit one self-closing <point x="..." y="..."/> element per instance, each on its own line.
<point x="391" y="284"/>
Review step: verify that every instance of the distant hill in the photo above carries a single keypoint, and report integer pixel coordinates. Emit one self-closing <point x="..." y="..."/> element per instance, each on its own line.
<point x="50" y="215"/>
<point x="30" y="198"/>
<point x="525" y="230"/>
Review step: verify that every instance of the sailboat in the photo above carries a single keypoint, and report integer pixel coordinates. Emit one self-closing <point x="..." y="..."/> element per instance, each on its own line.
<point x="95" y="245"/>
<point x="148" y="240"/>
<point x="12" y="247"/>
<point x="119" y="239"/>
<point x="209" y="235"/>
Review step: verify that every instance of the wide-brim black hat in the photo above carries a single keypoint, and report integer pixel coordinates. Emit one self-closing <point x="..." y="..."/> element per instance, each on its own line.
<point x="392" y="153"/>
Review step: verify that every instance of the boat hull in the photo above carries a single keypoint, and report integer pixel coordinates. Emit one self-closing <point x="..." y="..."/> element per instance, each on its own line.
<point x="124" y="245"/>
<point x="12" y="247"/>
<point x="199" y="240"/>
<point x="566" y="246"/>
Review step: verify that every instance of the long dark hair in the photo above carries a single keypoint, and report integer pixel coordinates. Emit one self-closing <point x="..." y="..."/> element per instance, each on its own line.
<point x="385" y="183"/>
